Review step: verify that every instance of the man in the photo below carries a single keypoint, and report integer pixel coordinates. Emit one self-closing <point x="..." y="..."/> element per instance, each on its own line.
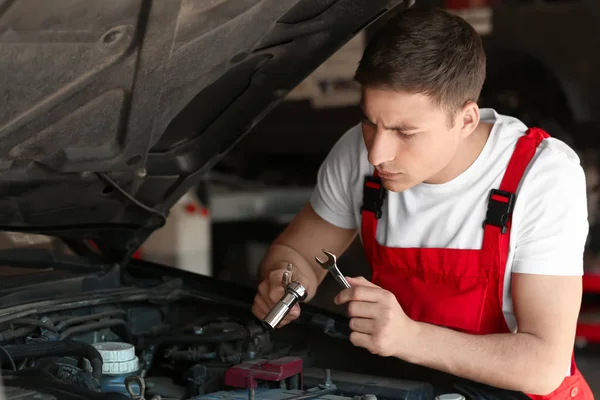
<point x="457" y="285"/>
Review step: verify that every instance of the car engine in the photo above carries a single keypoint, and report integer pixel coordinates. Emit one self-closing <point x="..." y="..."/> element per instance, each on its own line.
<point x="175" y="350"/>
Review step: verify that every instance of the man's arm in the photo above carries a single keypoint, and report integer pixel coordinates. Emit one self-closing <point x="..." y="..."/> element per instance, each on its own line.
<point x="326" y="222"/>
<point x="302" y="240"/>
<point x="535" y="360"/>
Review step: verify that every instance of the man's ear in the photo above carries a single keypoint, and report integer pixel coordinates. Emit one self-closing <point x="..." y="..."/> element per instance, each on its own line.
<point x="468" y="119"/>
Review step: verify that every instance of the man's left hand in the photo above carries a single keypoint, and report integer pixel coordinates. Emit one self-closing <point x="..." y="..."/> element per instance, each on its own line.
<point x="377" y="320"/>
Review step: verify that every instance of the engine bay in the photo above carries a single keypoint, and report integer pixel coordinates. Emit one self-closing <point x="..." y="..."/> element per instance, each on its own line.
<point x="149" y="333"/>
<point x="175" y="350"/>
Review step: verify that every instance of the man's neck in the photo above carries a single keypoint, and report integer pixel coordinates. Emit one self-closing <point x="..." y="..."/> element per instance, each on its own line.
<point x="466" y="154"/>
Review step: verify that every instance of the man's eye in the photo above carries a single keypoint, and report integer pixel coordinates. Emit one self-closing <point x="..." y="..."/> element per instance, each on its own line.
<point x="407" y="136"/>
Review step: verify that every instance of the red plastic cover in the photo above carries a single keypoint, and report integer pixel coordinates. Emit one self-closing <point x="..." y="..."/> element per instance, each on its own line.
<point x="248" y="374"/>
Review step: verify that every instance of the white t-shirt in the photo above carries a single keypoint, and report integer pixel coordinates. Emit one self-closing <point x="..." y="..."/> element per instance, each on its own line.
<point x="550" y="223"/>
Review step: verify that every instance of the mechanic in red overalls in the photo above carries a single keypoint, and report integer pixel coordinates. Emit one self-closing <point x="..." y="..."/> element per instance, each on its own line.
<point x="474" y="224"/>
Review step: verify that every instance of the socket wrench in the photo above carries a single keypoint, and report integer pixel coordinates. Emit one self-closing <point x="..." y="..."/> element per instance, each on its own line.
<point x="294" y="292"/>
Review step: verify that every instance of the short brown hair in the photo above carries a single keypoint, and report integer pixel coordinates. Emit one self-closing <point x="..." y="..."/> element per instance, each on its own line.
<point x="432" y="52"/>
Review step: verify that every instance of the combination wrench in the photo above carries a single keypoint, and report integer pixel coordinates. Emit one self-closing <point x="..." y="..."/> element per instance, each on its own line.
<point x="331" y="266"/>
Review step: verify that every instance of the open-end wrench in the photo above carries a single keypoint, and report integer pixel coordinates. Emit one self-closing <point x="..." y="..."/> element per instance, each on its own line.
<point x="331" y="266"/>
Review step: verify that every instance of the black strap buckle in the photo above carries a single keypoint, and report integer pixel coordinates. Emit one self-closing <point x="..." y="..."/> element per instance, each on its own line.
<point x="373" y="195"/>
<point x="500" y="208"/>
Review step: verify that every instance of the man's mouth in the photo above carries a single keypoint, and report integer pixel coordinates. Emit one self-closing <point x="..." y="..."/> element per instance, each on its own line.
<point x="387" y="175"/>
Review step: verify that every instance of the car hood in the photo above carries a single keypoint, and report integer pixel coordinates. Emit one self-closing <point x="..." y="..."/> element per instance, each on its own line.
<point x="112" y="110"/>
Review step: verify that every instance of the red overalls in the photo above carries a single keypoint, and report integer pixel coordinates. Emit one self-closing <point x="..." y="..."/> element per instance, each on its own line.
<point x="459" y="289"/>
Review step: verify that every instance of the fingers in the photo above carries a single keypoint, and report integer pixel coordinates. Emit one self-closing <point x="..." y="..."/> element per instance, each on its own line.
<point x="361" y="309"/>
<point x="259" y="307"/>
<point x="362" y="325"/>
<point x="292" y="315"/>
<point x="370" y="294"/>
<point x="360" y="281"/>
<point x="269" y="293"/>
<point x="294" y="312"/>
<point x="360" y="339"/>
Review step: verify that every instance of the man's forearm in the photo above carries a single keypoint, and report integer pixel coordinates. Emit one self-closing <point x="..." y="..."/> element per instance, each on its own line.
<point x="519" y="361"/>
<point x="279" y="255"/>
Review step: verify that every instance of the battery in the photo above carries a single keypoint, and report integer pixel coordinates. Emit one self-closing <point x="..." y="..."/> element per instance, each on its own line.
<point x="250" y="374"/>
<point x="265" y="394"/>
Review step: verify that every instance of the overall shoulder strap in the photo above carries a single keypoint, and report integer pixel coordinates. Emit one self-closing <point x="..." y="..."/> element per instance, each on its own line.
<point x="371" y="209"/>
<point x="502" y="201"/>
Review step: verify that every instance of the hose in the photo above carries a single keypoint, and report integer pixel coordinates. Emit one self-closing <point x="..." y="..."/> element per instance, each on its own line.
<point x="12" y="361"/>
<point x="11" y="334"/>
<point x="68" y="321"/>
<point x="191" y="355"/>
<point x="207" y="338"/>
<point x="57" y="349"/>
<point x="35" y="322"/>
<point x="92" y="327"/>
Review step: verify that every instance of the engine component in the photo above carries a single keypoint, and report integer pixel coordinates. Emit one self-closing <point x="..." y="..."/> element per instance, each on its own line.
<point x="277" y="394"/>
<point x="166" y="388"/>
<point x="14" y="393"/>
<point x="212" y="334"/>
<point x="450" y="396"/>
<point x="118" y="357"/>
<point x="216" y="356"/>
<point x="294" y="292"/>
<point x="136" y="387"/>
<point x="94" y="326"/>
<point x="66" y="321"/>
<point x="202" y="379"/>
<point x="120" y="363"/>
<point x="37" y="384"/>
<point x="242" y="342"/>
<point x="67" y="373"/>
<point x="196" y="379"/>
<point x="352" y="384"/>
<point x="62" y="348"/>
<point x="250" y="374"/>
<point x="11" y="334"/>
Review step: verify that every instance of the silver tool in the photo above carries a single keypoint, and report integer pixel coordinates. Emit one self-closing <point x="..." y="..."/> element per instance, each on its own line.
<point x="331" y="266"/>
<point x="286" y="279"/>
<point x="294" y="292"/>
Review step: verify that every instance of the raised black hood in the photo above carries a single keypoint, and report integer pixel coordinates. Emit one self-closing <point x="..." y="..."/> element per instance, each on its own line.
<point x="110" y="110"/>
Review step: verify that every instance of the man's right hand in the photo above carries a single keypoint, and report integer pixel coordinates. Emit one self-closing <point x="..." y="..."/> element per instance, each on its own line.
<point x="270" y="291"/>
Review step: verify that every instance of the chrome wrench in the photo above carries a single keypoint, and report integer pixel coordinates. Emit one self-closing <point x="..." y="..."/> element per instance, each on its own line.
<point x="294" y="292"/>
<point x="331" y="266"/>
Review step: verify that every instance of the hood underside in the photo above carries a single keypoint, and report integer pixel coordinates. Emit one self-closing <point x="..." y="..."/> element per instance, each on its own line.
<point x="111" y="110"/>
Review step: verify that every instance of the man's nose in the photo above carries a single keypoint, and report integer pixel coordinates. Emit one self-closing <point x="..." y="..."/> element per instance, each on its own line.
<point x="383" y="148"/>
